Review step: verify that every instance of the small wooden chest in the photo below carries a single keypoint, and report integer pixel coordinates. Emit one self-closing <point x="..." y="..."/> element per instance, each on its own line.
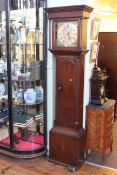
<point x="99" y="127"/>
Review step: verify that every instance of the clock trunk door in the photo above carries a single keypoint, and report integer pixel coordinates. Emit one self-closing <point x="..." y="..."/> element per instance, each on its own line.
<point x="65" y="90"/>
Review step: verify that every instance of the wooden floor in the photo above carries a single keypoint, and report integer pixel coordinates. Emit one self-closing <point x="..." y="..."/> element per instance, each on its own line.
<point x="41" y="166"/>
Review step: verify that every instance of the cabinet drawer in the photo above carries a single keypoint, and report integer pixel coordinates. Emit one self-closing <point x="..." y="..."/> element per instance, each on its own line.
<point x="109" y="127"/>
<point x="110" y="112"/>
<point x="109" y="120"/>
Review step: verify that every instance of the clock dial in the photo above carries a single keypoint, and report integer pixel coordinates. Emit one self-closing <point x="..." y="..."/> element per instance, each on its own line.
<point x="67" y="34"/>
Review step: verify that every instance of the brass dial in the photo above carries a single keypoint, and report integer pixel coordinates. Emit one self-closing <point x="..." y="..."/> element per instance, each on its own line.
<point x="67" y="34"/>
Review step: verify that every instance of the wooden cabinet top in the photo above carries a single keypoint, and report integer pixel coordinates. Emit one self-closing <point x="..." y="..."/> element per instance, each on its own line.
<point x="108" y="104"/>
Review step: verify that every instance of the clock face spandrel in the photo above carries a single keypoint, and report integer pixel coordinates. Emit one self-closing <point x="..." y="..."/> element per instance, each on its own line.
<point x="67" y="34"/>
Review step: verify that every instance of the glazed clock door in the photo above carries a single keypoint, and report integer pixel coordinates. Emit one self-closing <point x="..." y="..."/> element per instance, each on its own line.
<point x="65" y="90"/>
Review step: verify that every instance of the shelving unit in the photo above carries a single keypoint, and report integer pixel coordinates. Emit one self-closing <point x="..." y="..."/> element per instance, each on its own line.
<point x="22" y="86"/>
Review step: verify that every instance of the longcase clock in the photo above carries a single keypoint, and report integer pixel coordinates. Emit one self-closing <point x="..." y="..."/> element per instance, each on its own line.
<point x="68" y="33"/>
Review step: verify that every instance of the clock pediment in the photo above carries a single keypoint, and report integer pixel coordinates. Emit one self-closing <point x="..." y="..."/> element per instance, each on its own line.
<point x="80" y="11"/>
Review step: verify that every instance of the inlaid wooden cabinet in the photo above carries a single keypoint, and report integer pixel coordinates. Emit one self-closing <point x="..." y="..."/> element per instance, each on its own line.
<point x="99" y="124"/>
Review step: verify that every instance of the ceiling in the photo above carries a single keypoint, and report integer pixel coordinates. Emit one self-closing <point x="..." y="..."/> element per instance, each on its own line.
<point x="108" y="8"/>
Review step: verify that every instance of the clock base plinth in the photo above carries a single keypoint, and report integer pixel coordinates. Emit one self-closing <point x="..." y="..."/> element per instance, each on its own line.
<point x="67" y="146"/>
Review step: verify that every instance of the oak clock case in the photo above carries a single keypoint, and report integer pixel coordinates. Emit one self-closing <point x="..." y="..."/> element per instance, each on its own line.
<point x="22" y="101"/>
<point x="68" y="45"/>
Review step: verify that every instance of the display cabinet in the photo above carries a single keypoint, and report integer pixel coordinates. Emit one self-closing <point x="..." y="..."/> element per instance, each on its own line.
<point x="22" y="79"/>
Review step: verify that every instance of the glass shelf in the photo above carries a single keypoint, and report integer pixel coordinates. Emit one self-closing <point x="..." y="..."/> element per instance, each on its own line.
<point x="32" y="104"/>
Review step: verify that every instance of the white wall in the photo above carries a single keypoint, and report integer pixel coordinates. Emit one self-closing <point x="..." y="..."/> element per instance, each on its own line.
<point x="51" y="3"/>
<point x="50" y="93"/>
<point x="51" y="65"/>
<point x="108" y="25"/>
<point x="92" y="3"/>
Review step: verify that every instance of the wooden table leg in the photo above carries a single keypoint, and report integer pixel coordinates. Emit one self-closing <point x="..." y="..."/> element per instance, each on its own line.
<point x="111" y="148"/>
<point x="86" y="153"/>
<point x="103" y="156"/>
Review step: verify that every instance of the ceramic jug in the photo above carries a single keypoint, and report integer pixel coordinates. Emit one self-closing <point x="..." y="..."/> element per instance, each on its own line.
<point x="39" y="93"/>
<point x="30" y="96"/>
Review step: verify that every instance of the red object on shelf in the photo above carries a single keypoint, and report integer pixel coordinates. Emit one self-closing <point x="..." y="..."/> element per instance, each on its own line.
<point x="33" y="142"/>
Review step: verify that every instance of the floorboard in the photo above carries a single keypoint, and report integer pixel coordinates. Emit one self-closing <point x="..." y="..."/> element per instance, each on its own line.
<point x="41" y="166"/>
